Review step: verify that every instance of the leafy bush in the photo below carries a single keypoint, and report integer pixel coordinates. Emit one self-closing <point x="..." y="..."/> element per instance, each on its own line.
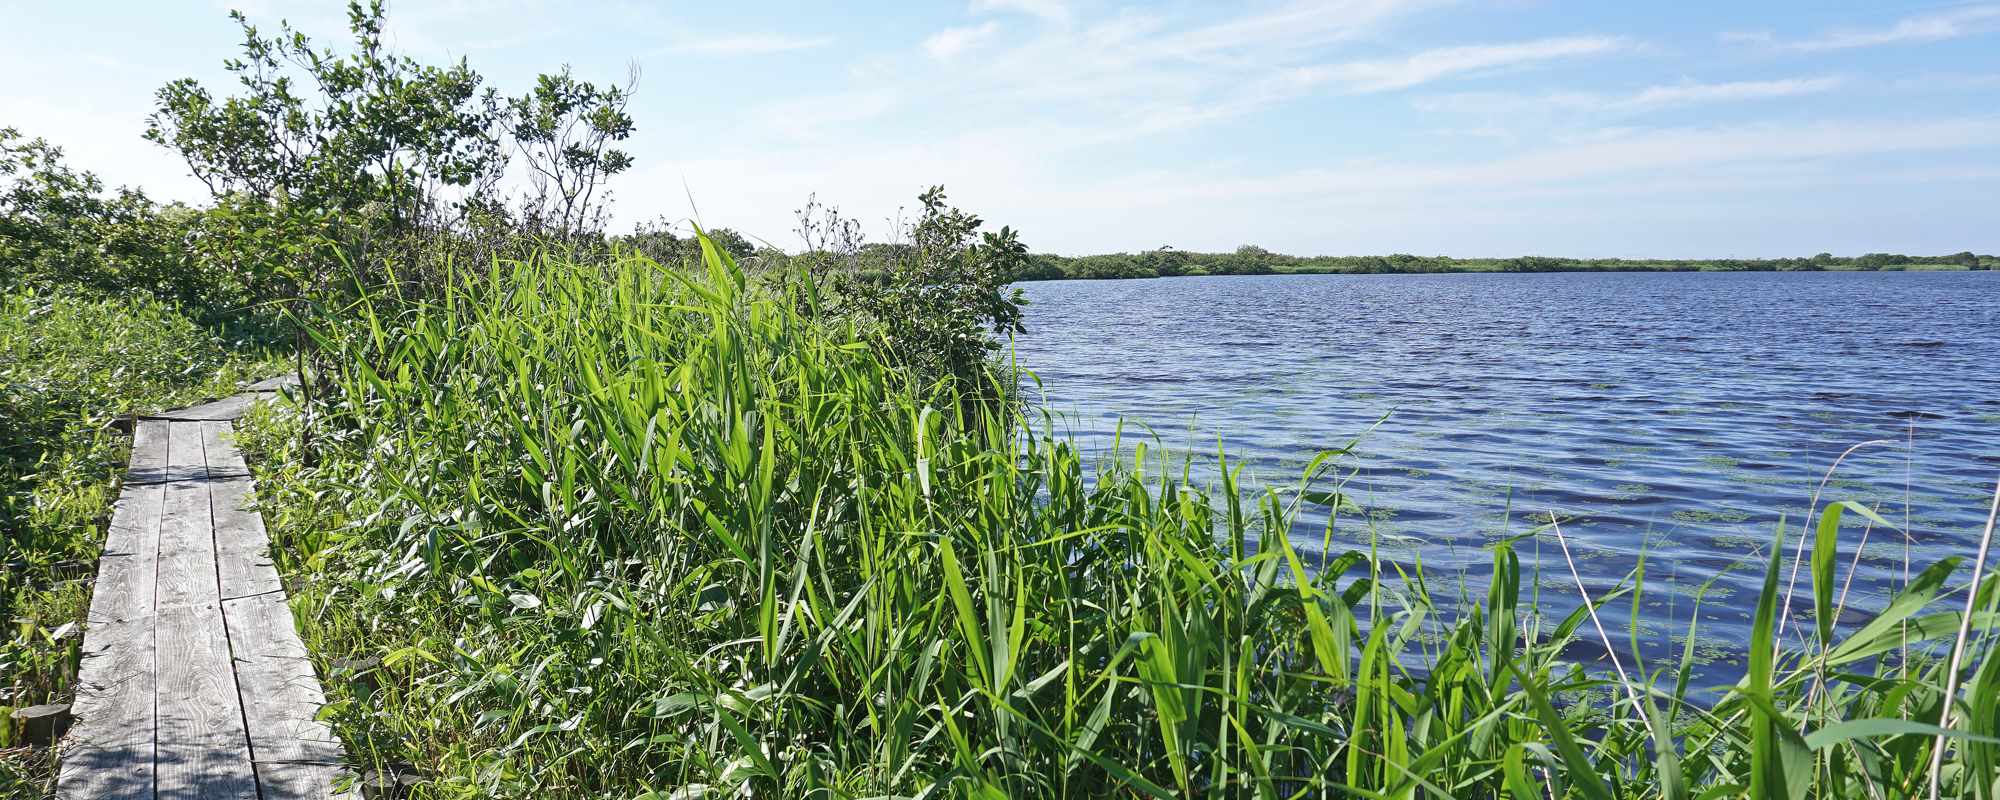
<point x="59" y="227"/>
<point x="68" y="361"/>
<point x="376" y="148"/>
<point x="938" y="300"/>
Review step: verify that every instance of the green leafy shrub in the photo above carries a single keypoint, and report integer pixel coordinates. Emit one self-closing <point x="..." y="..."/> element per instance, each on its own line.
<point x="69" y="362"/>
<point x="940" y="301"/>
<point x="59" y="227"/>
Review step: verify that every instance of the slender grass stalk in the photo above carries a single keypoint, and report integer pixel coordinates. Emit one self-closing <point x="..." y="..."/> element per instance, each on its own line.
<point x="1812" y="511"/>
<point x="1624" y="680"/>
<point x="1958" y="644"/>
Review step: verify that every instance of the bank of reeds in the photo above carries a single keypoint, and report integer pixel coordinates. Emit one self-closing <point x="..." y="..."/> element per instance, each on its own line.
<point x="639" y="531"/>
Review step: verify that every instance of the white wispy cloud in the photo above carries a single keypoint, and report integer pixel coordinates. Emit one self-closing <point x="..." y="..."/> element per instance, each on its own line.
<point x="810" y="116"/>
<point x="1647" y="99"/>
<point x="1359" y="203"/>
<point x="1056" y="11"/>
<point x="1693" y="93"/>
<point x="1133" y="73"/>
<point x="750" y="44"/>
<point x="1948" y="82"/>
<point x="1134" y="61"/>
<point x="1299" y="24"/>
<point x="948" y="43"/>
<point x="1430" y="65"/>
<point x="1612" y="155"/>
<point x="1953" y="24"/>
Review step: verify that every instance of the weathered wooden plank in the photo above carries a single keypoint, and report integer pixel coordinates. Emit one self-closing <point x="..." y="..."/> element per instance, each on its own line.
<point x="187" y="541"/>
<point x="148" y="463"/>
<point x="306" y="782"/>
<point x="221" y="455"/>
<point x="242" y="548"/>
<point x="295" y="754"/>
<point x="274" y="384"/>
<point x="124" y="585"/>
<point x="203" y="752"/>
<point x="227" y="408"/>
<point x="281" y="694"/>
<point x="109" y="751"/>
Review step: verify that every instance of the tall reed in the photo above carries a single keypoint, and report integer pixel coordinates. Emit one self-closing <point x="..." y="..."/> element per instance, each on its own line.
<point x="636" y="531"/>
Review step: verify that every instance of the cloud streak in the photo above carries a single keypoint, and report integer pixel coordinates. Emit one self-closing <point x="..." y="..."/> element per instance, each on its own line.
<point x="1954" y="24"/>
<point x="1056" y="11"/>
<point x="949" y="43"/>
<point x="750" y="44"/>
<point x="1431" y="65"/>
<point x="1697" y="93"/>
<point x="1299" y="24"/>
<point x="1651" y="98"/>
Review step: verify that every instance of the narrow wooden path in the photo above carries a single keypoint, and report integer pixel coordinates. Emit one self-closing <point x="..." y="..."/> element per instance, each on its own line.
<point x="194" y="682"/>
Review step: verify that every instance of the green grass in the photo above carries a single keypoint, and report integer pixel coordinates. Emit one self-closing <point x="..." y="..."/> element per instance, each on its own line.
<point x="69" y="365"/>
<point x="624" y="531"/>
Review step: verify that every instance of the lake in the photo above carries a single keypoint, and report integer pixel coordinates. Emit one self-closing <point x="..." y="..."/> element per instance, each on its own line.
<point x="1678" y="413"/>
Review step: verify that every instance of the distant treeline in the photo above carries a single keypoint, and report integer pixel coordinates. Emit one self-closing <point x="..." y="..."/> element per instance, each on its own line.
<point x="1253" y="260"/>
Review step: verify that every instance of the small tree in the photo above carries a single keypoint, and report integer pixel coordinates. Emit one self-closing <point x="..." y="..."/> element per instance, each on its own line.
<point x="1165" y="261"/>
<point x="374" y="146"/>
<point x="735" y="244"/>
<point x="939" y="298"/>
<point x="361" y="131"/>
<point x="564" y="129"/>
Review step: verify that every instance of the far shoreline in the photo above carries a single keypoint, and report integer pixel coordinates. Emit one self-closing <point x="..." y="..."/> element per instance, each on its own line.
<point x="1035" y="276"/>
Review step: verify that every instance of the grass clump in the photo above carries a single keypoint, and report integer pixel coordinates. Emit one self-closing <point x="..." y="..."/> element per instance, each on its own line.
<point x="625" y="531"/>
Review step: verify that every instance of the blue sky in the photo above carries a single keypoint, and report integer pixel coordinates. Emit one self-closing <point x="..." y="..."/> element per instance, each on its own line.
<point x="1353" y="126"/>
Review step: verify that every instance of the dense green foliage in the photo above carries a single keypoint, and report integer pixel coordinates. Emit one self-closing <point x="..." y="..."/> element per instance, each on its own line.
<point x="334" y="169"/>
<point x="390" y="143"/>
<point x="939" y="298"/>
<point x="60" y="227"/>
<point x="1166" y="262"/>
<point x="620" y="530"/>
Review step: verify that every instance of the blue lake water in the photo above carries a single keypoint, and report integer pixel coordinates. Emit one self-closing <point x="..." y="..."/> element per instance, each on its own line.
<point x="1683" y="413"/>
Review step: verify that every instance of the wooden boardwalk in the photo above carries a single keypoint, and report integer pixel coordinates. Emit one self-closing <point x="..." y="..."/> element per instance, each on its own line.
<point x="194" y="682"/>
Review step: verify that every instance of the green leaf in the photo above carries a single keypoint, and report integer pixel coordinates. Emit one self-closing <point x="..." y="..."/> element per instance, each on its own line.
<point x="1881" y="727"/>
<point x="1582" y="774"/>
<point x="1826" y="547"/>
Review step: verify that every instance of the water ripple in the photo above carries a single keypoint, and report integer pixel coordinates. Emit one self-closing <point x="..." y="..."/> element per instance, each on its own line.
<point x="1679" y="414"/>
